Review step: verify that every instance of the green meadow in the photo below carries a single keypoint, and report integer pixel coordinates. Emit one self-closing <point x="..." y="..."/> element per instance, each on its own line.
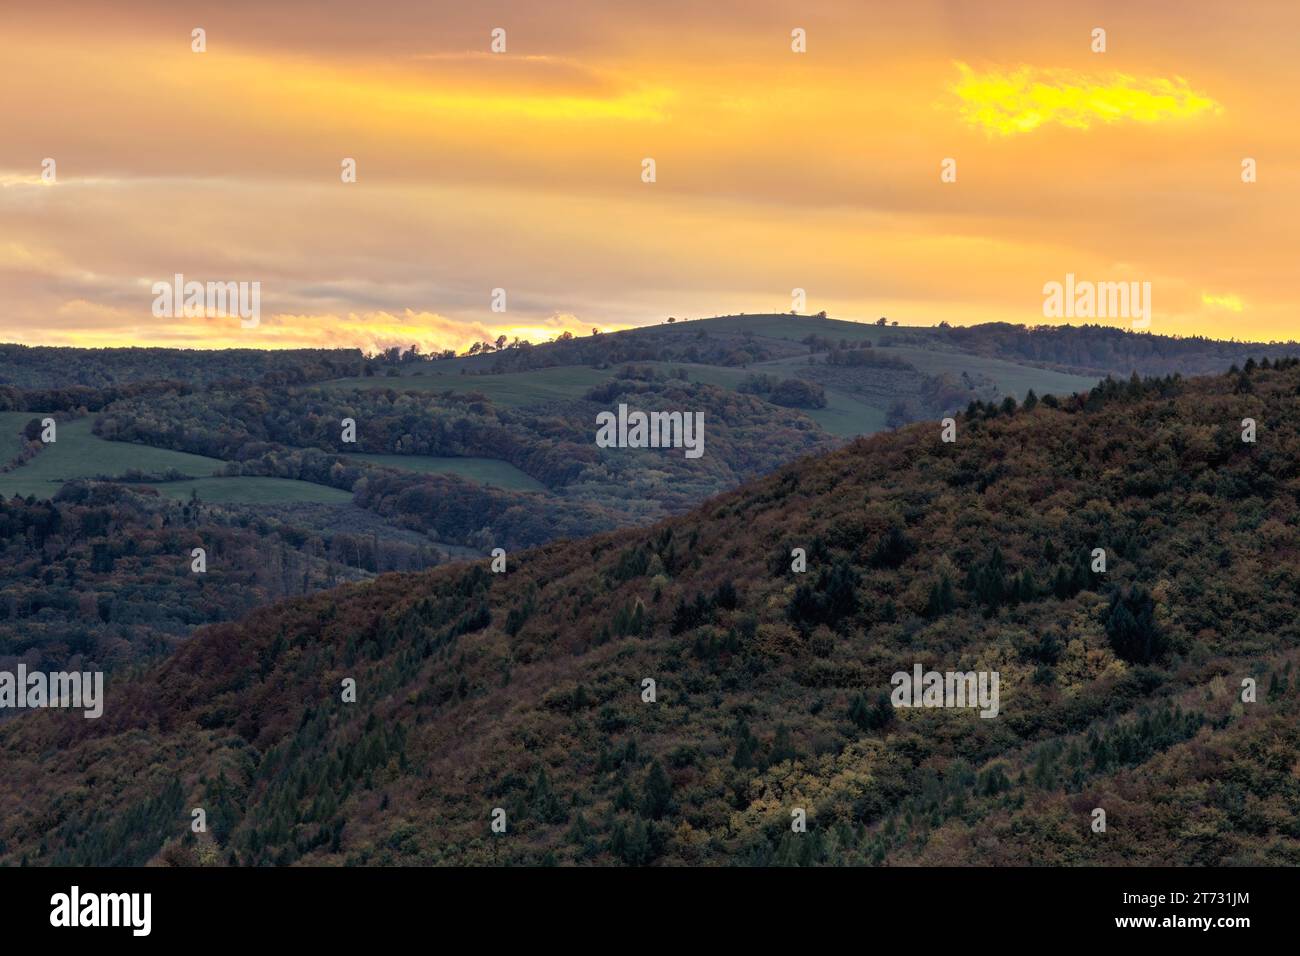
<point x="844" y="415"/>
<point x="485" y="471"/>
<point x="78" y="453"/>
<point x="513" y="389"/>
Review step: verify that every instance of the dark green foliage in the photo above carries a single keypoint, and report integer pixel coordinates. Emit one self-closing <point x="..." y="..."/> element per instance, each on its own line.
<point x="871" y="716"/>
<point x="691" y="614"/>
<point x="941" y="599"/>
<point x="893" y="549"/>
<point x="1131" y="627"/>
<point x="657" y="794"/>
<point x="545" y="805"/>
<point x="987" y="581"/>
<point x="632" y="844"/>
<point x="746" y="746"/>
<point x="831" y="598"/>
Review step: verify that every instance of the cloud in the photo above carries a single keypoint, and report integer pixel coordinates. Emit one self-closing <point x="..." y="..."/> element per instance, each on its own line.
<point x="1009" y="102"/>
<point x="10" y="179"/>
<point x="89" y="324"/>
<point x="1228" y="301"/>
<point x="522" y="171"/>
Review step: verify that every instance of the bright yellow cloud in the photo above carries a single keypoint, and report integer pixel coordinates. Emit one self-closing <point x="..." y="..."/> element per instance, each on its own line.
<point x="1227" y="301"/>
<point x="1020" y="100"/>
<point x="8" y="179"/>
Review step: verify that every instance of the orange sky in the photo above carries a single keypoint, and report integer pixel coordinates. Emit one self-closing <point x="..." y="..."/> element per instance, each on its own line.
<point x="522" y="170"/>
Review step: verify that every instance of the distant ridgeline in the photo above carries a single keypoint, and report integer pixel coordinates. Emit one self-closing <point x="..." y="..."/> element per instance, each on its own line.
<point x="1106" y="350"/>
<point x="46" y="367"/>
<point x="1095" y="350"/>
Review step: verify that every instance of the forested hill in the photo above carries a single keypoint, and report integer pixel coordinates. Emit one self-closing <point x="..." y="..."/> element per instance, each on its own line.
<point x="1092" y="351"/>
<point x="524" y="692"/>
<point x="1106" y="350"/>
<point x="39" y="366"/>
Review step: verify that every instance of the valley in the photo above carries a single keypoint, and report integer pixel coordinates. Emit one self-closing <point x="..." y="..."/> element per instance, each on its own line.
<point x="518" y="696"/>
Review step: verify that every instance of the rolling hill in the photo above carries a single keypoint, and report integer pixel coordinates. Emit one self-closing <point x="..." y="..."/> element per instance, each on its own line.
<point x="727" y="350"/>
<point x="524" y="693"/>
<point x="915" y="372"/>
<point x="454" y="455"/>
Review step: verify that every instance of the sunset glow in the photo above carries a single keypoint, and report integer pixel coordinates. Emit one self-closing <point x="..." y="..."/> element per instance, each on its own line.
<point x="521" y="170"/>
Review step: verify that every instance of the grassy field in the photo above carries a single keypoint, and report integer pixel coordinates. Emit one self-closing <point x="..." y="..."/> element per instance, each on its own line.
<point x="486" y="471"/>
<point x="844" y="416"/>
<point x="1011" y="378"/>
<point x="249" y="490"/>
<point x="77" y="453"/>
<point x="11" y="426"/>
<point x="792" y="328"/>
<point x="514" y="389"/>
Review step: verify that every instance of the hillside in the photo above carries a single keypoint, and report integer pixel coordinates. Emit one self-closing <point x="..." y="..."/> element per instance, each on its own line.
<point x="432" y="475"/>
<point x="52" y="367"/>
<point x="1120" y="689"/>
<point x="874" y="376"/>
<point x="453" y="455"/>
<point x="507" y="462"/>
<point x="99" y="577"/>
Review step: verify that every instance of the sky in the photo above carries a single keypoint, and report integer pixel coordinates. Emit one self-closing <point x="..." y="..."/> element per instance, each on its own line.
<point x="523" y="170"/>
